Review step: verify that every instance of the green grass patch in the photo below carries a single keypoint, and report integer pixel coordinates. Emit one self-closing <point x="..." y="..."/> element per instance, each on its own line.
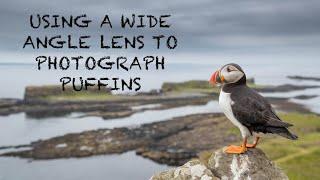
<point x="300" y="159"/>
<point x="304" y="166"/>
<point x="199" y="86"/>
<point x="83" y="96"/>
<point x="233" y="130"/>
<point x="256" y="86"/>
<point x="189" y="86"/>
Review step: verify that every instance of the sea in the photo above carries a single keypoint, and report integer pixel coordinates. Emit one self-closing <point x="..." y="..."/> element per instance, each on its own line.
<point x="17" y="129"/>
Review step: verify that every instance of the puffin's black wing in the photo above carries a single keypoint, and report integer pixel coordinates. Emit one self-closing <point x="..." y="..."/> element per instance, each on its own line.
<point x="254" y="111"/>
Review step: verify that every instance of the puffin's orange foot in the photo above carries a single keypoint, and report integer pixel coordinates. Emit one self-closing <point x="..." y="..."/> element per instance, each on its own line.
<point x="251" y="145"/>
<point x="232" y="149"/>
<point x="254" y="143"/>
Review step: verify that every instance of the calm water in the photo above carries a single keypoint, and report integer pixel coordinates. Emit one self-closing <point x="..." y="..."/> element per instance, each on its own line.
<point x="313" y="104"/>
<point x="16" y="77"/>
<point x="114" y="167"/>
<point x="18" y="129"/>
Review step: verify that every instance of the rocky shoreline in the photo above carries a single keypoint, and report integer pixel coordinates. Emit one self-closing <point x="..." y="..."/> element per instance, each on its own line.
<point x="45" y="101"/>
<point x="148" y="140"/>
<point x="173" y="141"/>
<point x="100" y="108"/>
<point x="304" y="78"/>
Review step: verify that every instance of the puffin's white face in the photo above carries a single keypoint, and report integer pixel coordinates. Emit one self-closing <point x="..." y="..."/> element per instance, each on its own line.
<point x="230" y="73"/>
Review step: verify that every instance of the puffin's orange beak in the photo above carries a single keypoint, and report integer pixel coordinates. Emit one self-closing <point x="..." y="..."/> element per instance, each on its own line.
<point x="215" y="78"/>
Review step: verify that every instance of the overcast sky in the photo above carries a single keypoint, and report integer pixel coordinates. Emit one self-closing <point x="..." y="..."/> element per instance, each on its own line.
<point x="213" y="28"/>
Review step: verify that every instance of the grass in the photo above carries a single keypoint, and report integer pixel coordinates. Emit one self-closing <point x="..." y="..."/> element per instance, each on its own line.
<point x="304" y="166"/>
<point x="83" y="96"/>
<point x="199" y="86"/>
<point x="193" y="86"/>
<point x="256" y="86"/>
<point x="300" y="159"/>
<point x="55" y="93"/>
<point x="189" y="86"/>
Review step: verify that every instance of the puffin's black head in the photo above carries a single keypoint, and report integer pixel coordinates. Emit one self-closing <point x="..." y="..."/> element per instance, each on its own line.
<point x="228" y="74"/>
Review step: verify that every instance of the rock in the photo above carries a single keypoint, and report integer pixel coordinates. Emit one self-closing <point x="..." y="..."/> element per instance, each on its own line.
<point x="153" y="92"/>
<point x="50" y="101"/>
<point x="253" y="165"/>
<point x="304" y="97"/>
<point x="167" y="155"/>
<point x="172" y="142"/>
<point x="251" y="80"/>
<point x="8" y="102"/>
<point x="284" y="88"/>
<point x="174" y="86"/>
<point x="36" y="93"/>
<point x="110" y="115"/>
<point x="193" y="169"/>
<point x="304" y="78"/>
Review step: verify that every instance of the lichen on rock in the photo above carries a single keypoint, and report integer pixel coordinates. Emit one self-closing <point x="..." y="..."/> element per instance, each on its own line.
<point x="193" y="169"/>
<point x="252" y="165"/>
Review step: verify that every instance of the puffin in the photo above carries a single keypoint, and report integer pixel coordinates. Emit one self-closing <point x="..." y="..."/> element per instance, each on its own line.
<point x="246" y="108"/>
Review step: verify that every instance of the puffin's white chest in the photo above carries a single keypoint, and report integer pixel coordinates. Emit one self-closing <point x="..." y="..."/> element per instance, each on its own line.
<point x="225" y="103"/>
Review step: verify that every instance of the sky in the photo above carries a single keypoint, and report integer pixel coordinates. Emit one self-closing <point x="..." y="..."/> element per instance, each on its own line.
<point x="206" y="29"/>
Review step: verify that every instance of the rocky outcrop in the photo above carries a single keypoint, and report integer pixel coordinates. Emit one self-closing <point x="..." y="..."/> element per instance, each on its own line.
<point x="191" y="84"/>
<point x="37" y="104"/>
<point x="253" y="165"/>
<point x="50" y="101"/>
<point x="304" y="78"/>
<point x="35" y="93"/>
<point x="172" y="142"/>
<point x="284" y="88"/>
<point x="193" y="169"/>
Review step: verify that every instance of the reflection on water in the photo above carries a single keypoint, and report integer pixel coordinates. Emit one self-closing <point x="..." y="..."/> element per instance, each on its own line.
<point x="147" y="106"/>
<point x="18" y="129"/>
<point x="264" y="72"/>
<point x="292" y="94"/>
<point x="313" y="104"/>
<point x="118" y="167"/>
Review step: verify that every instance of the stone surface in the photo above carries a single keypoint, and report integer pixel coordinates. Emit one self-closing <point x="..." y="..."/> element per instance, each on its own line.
<point x="309" y="78"/>
<point x="172" y="142"/>
<point x="37" y="105"/>
<point x="49" y="101"/>
<point x="34" y="93"/>
<point x="252" y="165"/>
<point x="193" y="169"/>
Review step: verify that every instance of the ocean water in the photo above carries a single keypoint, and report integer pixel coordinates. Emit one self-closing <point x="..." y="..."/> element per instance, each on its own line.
<point x="118" y="167"/>
<point x="15" y="77"/>
<point x="19" y="129"/>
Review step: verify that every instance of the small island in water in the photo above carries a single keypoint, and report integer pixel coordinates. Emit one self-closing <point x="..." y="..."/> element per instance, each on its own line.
<point x="173" y="141"/>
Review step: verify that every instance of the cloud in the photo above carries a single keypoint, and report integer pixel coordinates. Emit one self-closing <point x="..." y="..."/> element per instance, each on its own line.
<point x="205" y="26"/>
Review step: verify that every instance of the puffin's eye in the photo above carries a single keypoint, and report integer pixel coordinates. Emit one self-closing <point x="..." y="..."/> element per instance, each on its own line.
<point x="231" y="68"/>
